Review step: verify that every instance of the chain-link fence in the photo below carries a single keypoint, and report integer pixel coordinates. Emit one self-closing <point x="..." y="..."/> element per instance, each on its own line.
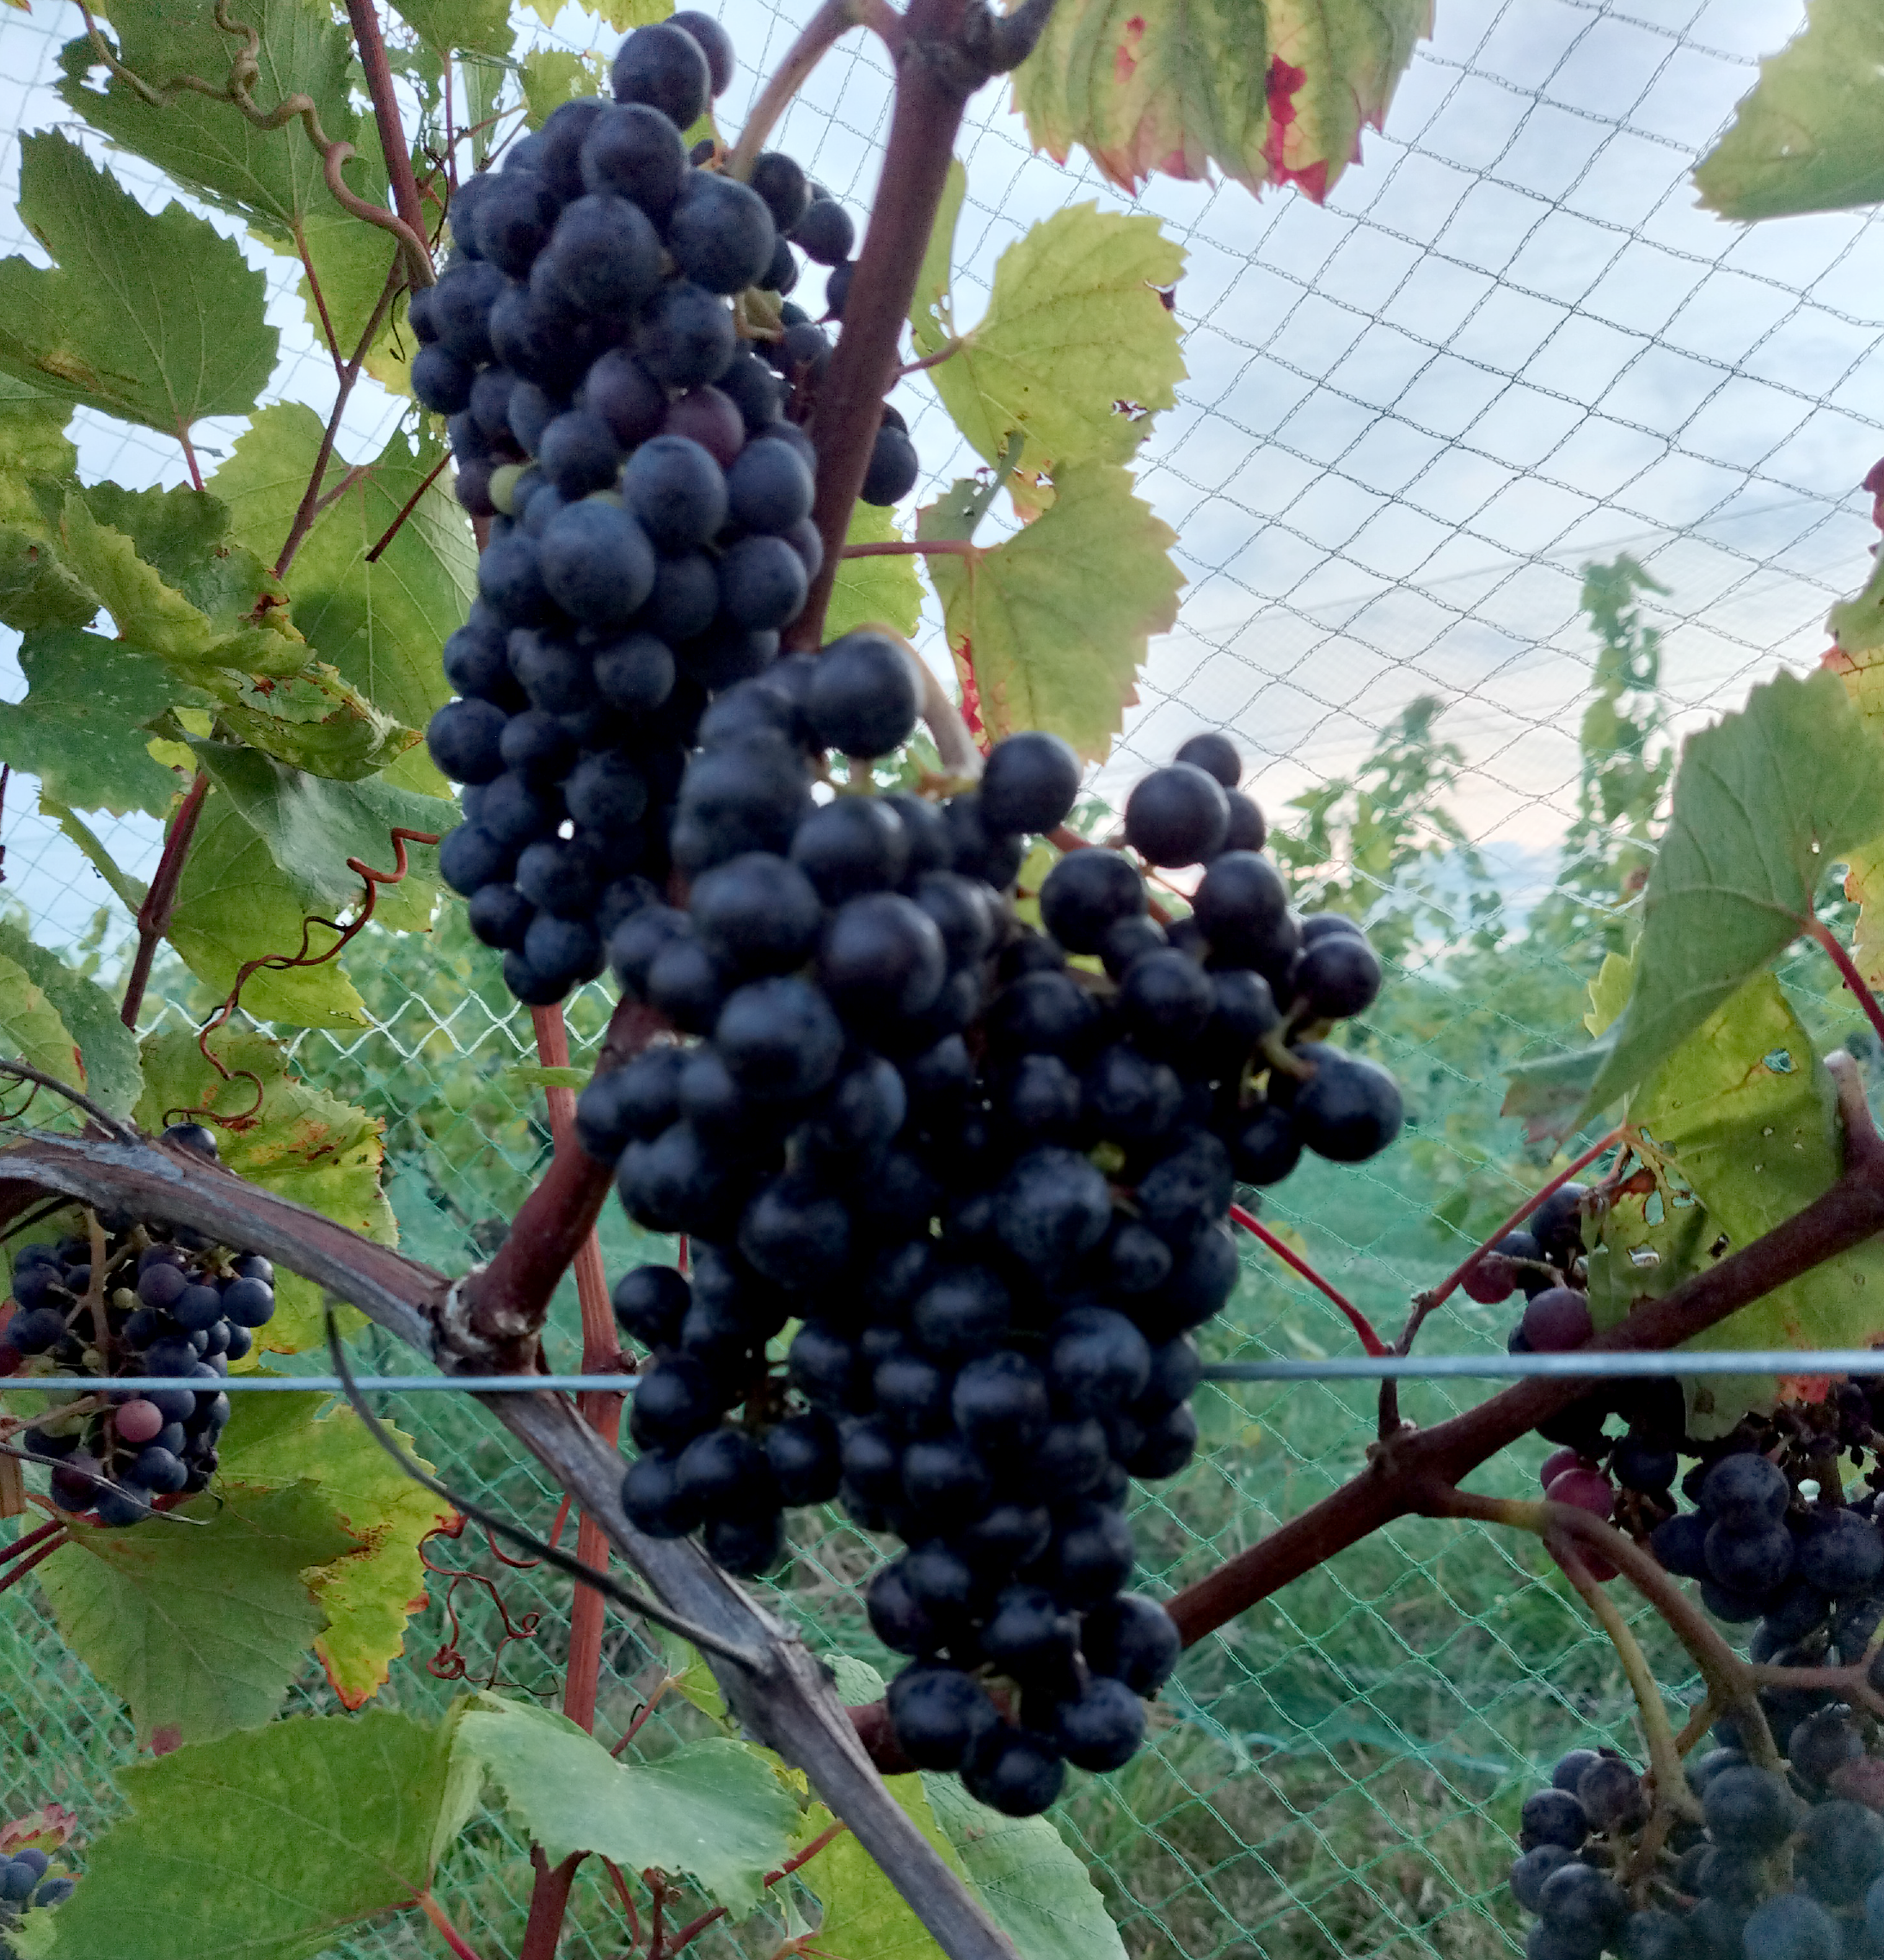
<point x="1507" y="347"/>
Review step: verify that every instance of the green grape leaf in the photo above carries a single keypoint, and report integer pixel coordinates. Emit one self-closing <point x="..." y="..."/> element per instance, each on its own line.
<point x="1736" y="1131"/>
<point x="1034" y="647"/>
<point x="692" y="1677"/>
<point x="109" y="1071"/>
<point x="1765" y="801"/>
<point x="352" y="261"/>
<point x="479" y="26"/>
<point x="1035" y="1888"/>
<point x="201" y="1625"/>
<point x="880" y="592"/>
<point x="156" y="319"/>
<point x="554" y="76"/>
<point x="235" y="904"/>
<point x="299" y="1142"/>
<point x="1810" y="135"/>
<point x="314" y="720"/>
<point x="371" y="1592"/>
<point x="715" y="1810"/>
<point x="82" y="728"/>
<point x="312" y="825"/>
<point x="146" y="610"/>
<point x="32" y="1031"/>
<point x="380" y="624"/>
<point x="307" y="1826"/>
<point x="1076" y="349"/>
<point x="39" y="592"/>
<point x="183" y="536"/>
<point x="33" y="443"/>
<point x="273" y="178"/>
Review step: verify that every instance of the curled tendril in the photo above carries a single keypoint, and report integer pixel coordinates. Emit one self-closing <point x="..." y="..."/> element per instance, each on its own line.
<point x="244" y="71"/>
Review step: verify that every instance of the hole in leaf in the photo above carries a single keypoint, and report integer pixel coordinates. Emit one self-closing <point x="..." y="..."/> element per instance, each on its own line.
<point x="1780" y="1062"/>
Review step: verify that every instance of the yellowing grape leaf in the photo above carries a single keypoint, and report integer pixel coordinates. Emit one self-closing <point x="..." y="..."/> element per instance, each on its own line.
<point x="1810" y="135"/>
<point x="1048" y="628"/>
<point x="33" y="443"/>
<point x="307" y="1825"/>
<point x="371" y="1592"/>
<point x="31" y="1031"/>
<point x="883" y="591"/>
<point x="554" y="76"/>
<point x="83" y="727"/>
<point x="1857" y="657"/>
<point x="1738" y="1130"/>
<point x="200" y="1624"/>
<point x="300" y="1142"/>
<point x="109" y="1069"/>
<point x="145" y="609"/>
<point x="1077" y="348"/>
<point x="155" y="318"/>
<point x="235" y="905"/>
<point x="1765" y="802"/>
<point x="314" y="720"/>
<point x="715" y="1809"/>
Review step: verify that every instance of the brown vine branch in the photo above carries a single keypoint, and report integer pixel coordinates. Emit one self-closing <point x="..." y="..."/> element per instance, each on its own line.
<point x="1846" y="1215"/>
<point x="160" y="901"/>
<point x="938" y="67"/>
<point x="502" y="1307"/>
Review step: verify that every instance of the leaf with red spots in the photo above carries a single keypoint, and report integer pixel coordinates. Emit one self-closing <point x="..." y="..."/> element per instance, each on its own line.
<point x="1275" y="92"/>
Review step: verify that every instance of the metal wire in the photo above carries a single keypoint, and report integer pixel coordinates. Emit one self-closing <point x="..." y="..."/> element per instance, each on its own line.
<point x="1339" y="1367"/>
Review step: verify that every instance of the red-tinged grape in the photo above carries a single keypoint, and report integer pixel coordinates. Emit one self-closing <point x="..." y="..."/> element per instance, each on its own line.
<point x="1587" y="1490"/>
<point x="1557" y="1463"/>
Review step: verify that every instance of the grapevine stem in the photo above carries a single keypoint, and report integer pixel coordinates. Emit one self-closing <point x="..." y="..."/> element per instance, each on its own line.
<point x="310" y="504"/>
<point x="935" y="73"/>
<point x="1424" y="1303"/>
<point x="1370" y="1341"/>
<point x="27" y="1541"/>
<point x="601" y="1351"/>
<point x="392" y="133"/>
<point x="1848" y="972"/>
<point x="154" y="914"/>
<point x="548" y="1901"/>
<point x="914" y="548"/>
<point x="1664" y="1758"/>
<point x="832" y="20"/>
<point x="434" y="1911"/>
<point x="410" y="505"/>
<point x="22" y="1567"/>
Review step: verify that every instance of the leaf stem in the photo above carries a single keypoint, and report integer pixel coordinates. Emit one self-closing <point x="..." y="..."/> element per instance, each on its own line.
<point x="1370" y="1341"/>
<point x="434" y="1911"/>
<point x="27" y="1541"/>
<point x="311" y="504"/>
<point x="189" y="456"/>
<point x="914" y="547"/>
<point x="832" y="20"/>
<point x="1848" y="972"/>
<point x="320" y="301"/>
<point x="160" y="901"/>
<point x="620" y="1882"/>
<point x="1424" y="1303"/>
<point x="20" y="1568"/>
<point x="695" y="1927"/>
<point x="935" y="359"/>
<point x="410" y="505"/>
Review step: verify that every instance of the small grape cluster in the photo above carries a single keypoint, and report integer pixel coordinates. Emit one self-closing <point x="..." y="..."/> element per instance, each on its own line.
<point x="1778" y="1865"/>
<point x="987" y="1170"/>
<point x="171" y="1302"/>
<point x="647" y="478"/>
<point x="27" y="1881"/>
